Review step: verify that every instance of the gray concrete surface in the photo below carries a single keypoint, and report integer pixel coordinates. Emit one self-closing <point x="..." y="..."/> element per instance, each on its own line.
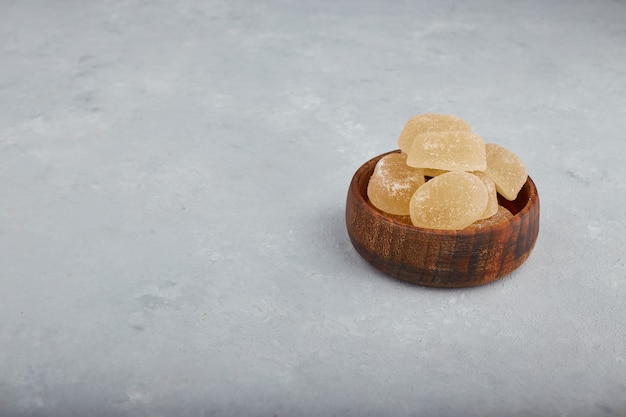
<point x="172" y="186"/>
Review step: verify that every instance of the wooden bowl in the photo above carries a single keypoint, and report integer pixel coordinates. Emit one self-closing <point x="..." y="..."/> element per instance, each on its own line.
<point x="440" y="258"/>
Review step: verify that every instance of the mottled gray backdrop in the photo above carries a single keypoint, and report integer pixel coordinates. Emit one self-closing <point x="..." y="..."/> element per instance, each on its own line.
<point x="172" y="187"/>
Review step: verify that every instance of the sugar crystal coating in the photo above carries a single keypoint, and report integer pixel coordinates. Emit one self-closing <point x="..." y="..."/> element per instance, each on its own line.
<point x="492" y="195"/>
<point x="450" y="201"/>
<point x="423" y="123"/>
<point x="506" y="169"/>
<point x="451" y="151"/>
<point x="393" y="183"/>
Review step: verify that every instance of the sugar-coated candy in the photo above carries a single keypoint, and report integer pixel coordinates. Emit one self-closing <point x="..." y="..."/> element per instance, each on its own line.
<point x="451" y="151"/>
<point x="393" y="183"/>
<point x="501" y="216"/>
<point x="450" y="201"/>
<point x="423" y="123"/>
<point x="445" y="177"/>
<point x="506" y="170"/>
<point x="492" y="195"/>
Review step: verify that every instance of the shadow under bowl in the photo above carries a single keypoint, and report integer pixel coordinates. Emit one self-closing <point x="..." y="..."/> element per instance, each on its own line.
<point x="440" y="258"/>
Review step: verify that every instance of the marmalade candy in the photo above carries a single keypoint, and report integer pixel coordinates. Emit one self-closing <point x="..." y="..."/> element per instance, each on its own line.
<point x="492" y="195"/>
<point x="450" y="201"/>
<point x="451" y="151"/>
<point x="445" y="177"/>
<point x="506" y="170"/>
<point x="423" y="123"/>
<point x="501" y="216"/>
<point x="393" y="183"/>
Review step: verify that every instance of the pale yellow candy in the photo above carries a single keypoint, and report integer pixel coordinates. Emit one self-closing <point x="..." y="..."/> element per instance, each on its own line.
<point x="501" y="216"/>
<point x="451" y="151"/>
<point x="450" y="201"/>
<point x="506" y="170"/>
<point x="492" y="195"/>
<point x="393" y="183"/>
<point x="423" y="123"/>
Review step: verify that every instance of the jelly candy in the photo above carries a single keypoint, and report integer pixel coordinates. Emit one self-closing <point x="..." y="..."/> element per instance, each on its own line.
<point x="450" y="201"/>
<point x="492" y="195"/>
<point x="501" y="216"/>
<point x="393" y="183"/>
<point x="506" y="170"/>
<point x="451" y="151"/>
<point x="464" y="176"/>
<point x="423" y="123"/>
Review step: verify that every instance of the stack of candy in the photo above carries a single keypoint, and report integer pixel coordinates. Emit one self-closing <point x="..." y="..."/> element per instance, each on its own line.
<point x="445" y="177"/>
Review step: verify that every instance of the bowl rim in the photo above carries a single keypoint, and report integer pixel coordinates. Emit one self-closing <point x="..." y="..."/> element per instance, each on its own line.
<point x="364" y="201"/>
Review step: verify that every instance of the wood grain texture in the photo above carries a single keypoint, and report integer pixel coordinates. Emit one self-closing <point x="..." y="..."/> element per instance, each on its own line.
<point x="440" y="258"/>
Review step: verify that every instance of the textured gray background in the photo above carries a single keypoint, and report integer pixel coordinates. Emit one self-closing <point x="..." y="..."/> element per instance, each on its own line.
<point x="172" y="188"/>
